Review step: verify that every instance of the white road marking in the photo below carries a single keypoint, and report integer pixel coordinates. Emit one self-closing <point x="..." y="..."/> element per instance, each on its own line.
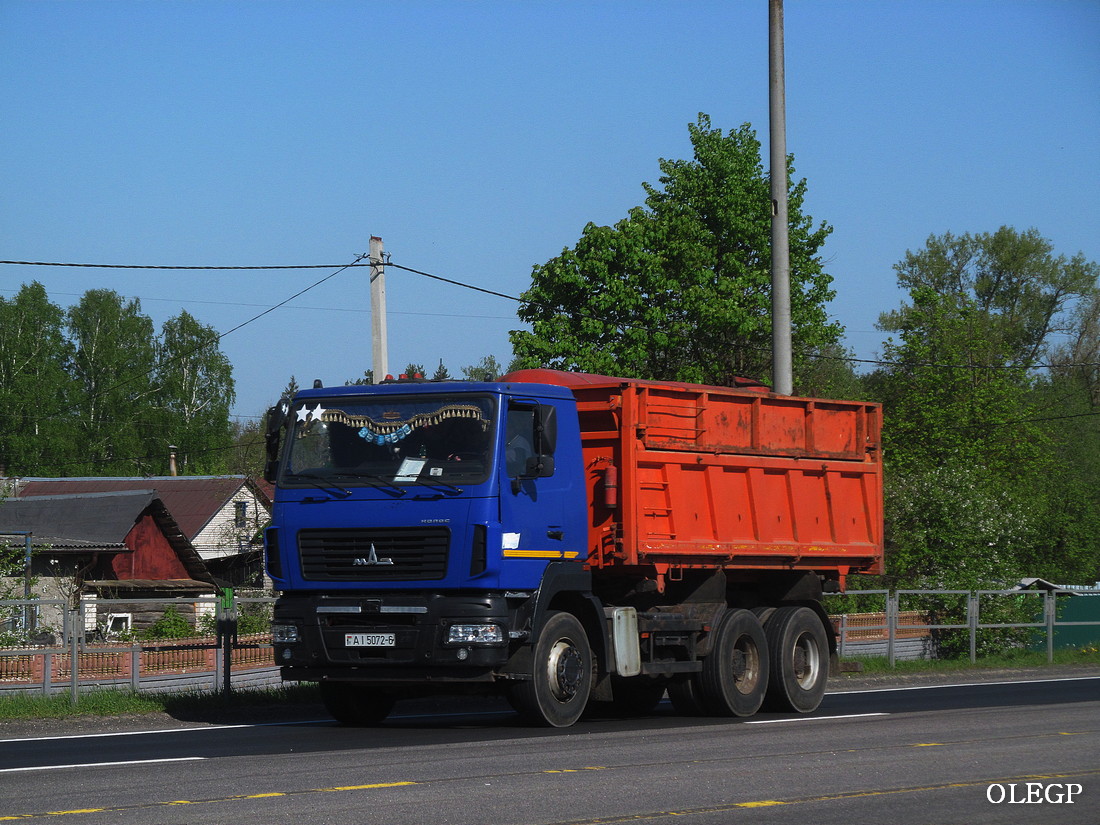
<point x="104" y="764"/>
<point x="812" y="718"/>
<point x="960" y="685"/>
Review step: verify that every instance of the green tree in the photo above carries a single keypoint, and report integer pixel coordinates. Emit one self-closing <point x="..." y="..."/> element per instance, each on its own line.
<point x="113" y="365"/>
<point x="413" y="370"/>
<point x="976" y="494"/>
<point x="1068" y="398"/>
<point x="1024" y="292"/>
<point x="248" y="455"/>
<point x="681" y="288"/>
<point x="36" y="391"/>
<point x="194" y="392"/>
<point x="441" y="373"/>
<point x="487" y="369"/>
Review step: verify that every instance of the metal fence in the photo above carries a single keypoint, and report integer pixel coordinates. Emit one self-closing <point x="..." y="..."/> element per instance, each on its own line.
<point x="98" y="644"/>
<point x="935" y="622"/>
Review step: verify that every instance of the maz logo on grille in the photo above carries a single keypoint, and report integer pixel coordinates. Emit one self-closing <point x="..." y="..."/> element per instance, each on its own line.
<point x="371" y="560"/>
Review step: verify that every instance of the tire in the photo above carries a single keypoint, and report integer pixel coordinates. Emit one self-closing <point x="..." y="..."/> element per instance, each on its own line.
<point x="685" y="696"/>
<point x="734" y="679"/>
<point x="561" y="677"/>
<point x="356" y="705"/>
<point x="799" y="652"/>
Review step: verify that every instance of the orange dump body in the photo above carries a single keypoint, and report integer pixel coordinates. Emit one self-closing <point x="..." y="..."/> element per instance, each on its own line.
<point x="689" y="476"/>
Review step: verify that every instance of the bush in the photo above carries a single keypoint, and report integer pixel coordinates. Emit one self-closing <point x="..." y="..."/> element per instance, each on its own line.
<point x="171" y="625"/>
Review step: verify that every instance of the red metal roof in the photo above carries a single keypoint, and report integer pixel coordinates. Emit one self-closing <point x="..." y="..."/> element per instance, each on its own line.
<point x="192" y="500"/>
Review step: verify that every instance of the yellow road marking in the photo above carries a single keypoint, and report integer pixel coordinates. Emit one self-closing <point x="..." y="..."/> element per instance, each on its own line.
<point x="237" y="798"/>
<point x="762" y="804"/>
<point x="365" y="787"/>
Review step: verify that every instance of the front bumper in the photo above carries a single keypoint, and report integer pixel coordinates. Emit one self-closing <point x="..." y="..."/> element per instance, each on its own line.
<point x="417" y="625"/>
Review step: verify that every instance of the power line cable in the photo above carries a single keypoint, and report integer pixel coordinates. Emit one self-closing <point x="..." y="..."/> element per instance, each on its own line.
<point x="549" y="307"/>
<point x="211" y="268"/>
<point x="214" y="339"/>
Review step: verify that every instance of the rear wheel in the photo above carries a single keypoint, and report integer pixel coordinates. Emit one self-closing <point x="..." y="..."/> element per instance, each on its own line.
<point x="799" y="651"/>
<point x="357" y="705"/>
<point x="561" y="678"/>
<point x="735" y="674"/>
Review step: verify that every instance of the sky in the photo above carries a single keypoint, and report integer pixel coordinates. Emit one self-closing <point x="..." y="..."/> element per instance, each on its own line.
<point x="477" y="139"/>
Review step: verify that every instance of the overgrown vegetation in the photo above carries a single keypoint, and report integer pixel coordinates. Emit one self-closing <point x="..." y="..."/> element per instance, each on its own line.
<point x="990" y="394"/>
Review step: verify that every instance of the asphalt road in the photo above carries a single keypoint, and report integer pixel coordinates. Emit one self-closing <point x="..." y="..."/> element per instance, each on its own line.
<point x="919" y="754"/>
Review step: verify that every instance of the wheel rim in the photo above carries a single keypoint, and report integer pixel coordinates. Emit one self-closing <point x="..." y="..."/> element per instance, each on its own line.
<point x="807" y="661"/>
<point x="565" y="669"/>
<point x="746" y="665"/>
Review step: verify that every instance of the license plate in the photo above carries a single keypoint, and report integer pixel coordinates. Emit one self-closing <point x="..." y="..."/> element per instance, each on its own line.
<point x="370" y="640"/>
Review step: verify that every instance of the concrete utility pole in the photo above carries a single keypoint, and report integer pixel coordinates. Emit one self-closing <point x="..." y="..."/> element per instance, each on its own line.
<point x="379" y="353"/>
<point x="782" y="370"/>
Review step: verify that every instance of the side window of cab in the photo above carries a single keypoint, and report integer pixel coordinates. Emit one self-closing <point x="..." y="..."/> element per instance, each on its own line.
<point x="529" y="437"/>
<point x="519" y="439"/>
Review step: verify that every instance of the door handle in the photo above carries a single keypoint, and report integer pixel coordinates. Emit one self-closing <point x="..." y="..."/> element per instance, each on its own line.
<point x="555" y="534"/>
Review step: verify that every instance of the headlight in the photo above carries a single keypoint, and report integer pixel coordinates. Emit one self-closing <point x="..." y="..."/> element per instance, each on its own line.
<point x="475" y="634"/>
<point x="285" y="634"/>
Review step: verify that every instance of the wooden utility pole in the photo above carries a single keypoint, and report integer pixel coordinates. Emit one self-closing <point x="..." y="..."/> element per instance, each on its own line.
<point x="782" y="369"/>
<point x="379" y="353"/>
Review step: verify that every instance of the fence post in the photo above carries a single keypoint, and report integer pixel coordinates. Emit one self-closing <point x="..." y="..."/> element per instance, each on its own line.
<point x="135" y="666"/>
<point x="227" y="635"/>
<point x="47" y="672"/>
<point x="1050" y="614"/>
<point x="972" y="609"/>
<point x="892" y="609"/>
<point x="72" y="620"/>
<point x="843" y="635"/>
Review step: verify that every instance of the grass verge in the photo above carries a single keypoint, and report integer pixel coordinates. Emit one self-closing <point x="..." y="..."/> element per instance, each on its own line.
<point x="1011" y="660"/>
<point x="110" y="702"/>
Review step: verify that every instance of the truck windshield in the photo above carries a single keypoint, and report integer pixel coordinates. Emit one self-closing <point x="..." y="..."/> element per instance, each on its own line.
<point x="427" y="440"/>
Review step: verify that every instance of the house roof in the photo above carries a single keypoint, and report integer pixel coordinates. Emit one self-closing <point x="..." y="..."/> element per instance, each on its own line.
<point x="88" y="522"/>
<point x="192" y="500"/>
<point x="103" y="519"/>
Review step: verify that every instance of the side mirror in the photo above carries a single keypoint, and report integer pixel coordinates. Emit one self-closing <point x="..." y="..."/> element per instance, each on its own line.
<point x="276" y="418"/>
<point x="539" y="466"/>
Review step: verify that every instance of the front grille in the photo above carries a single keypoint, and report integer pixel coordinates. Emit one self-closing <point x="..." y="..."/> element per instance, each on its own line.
<point x="416" y="553"/>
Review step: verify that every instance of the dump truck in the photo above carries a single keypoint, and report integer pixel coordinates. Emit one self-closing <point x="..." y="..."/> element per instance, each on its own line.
<point x="567" y="540"/>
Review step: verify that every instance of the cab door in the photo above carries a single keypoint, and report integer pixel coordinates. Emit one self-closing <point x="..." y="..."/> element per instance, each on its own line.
<point x="535" y="494"/>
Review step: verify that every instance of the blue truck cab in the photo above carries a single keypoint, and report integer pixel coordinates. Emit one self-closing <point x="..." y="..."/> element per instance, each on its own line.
<point x="420" y="531"/>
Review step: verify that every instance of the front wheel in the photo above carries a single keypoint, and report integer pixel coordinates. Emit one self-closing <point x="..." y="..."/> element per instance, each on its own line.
<point x="561" y="677"/>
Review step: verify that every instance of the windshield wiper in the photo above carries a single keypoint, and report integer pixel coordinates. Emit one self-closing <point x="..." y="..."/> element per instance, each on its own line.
<point x="316" y="479"/>
<point x="386" y="483"/>
<point x="450" y="488"/>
